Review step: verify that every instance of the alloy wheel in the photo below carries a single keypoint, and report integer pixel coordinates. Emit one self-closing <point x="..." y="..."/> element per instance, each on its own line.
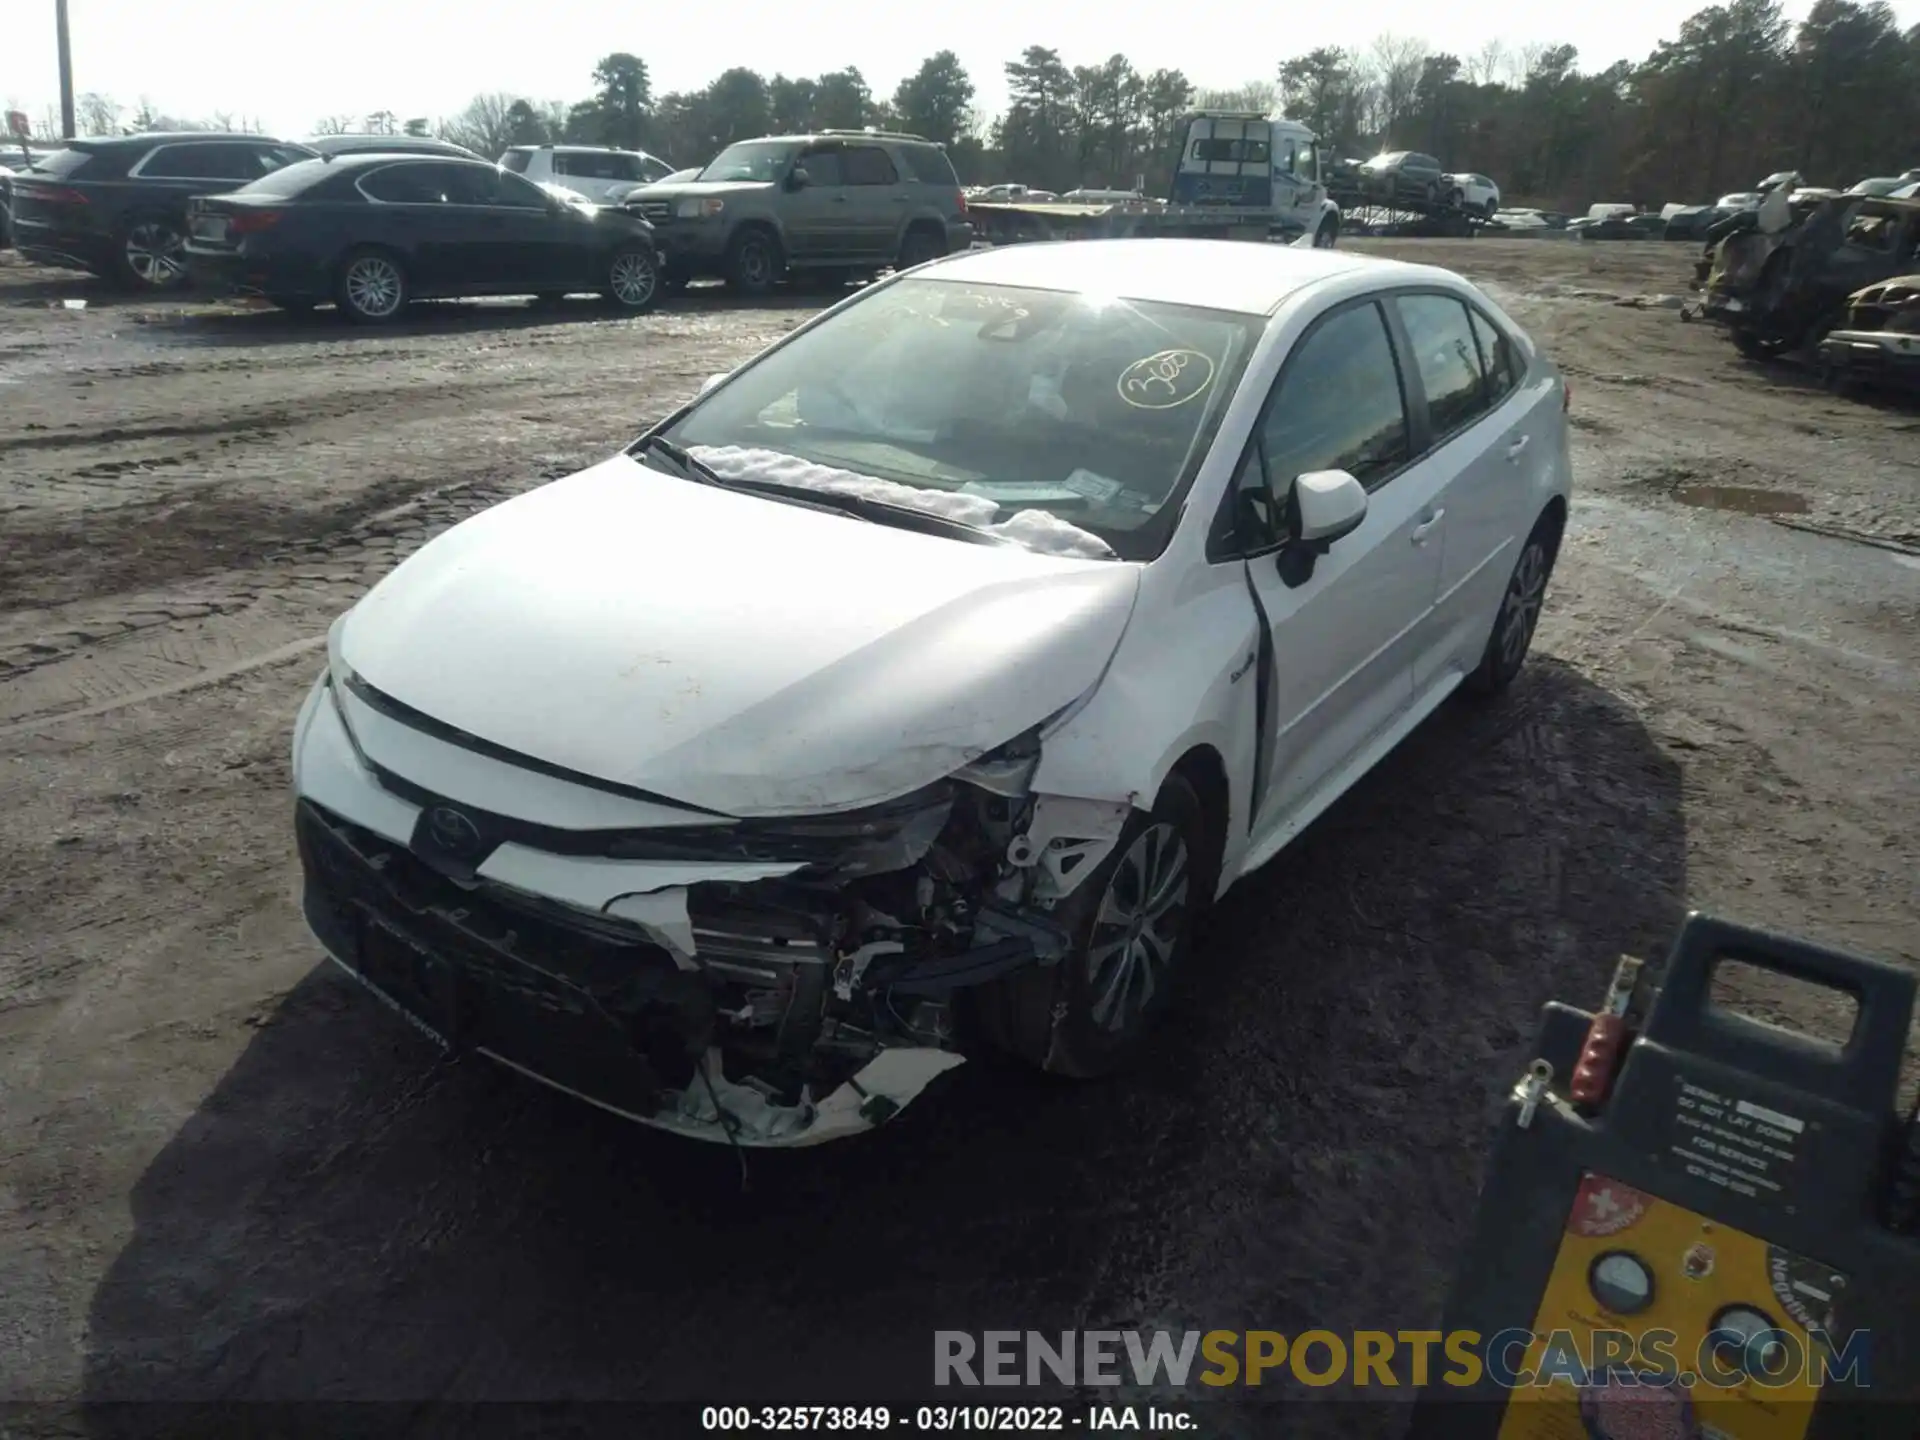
<point x="634" y="279"/>
<point x="1521" y="610"/>
<point x="1130" y="953"/>
<point x="156" y="254"/>
<point x="373" y="286"/>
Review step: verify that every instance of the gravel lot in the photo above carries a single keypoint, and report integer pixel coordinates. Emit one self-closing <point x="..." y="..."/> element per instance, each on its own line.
<point x="225" y="1174"/>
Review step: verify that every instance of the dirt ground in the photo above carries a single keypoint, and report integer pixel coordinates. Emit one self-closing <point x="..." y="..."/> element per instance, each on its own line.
<point x="226" y="1175"/>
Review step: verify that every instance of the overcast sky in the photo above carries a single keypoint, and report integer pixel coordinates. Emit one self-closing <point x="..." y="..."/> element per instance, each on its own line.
<point x="290" y="66"/>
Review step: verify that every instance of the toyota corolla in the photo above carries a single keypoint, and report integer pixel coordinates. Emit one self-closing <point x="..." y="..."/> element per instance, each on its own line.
<point x="914" y="688"/>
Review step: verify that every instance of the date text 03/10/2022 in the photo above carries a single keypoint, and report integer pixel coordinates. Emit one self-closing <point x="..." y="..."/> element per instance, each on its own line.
<point x="946" y="1419"/>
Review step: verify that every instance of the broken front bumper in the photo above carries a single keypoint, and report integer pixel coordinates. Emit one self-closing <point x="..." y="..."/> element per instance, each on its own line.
<point x="604" y="1017"/>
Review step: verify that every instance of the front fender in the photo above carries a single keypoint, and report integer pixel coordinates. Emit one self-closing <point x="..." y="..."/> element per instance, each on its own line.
<point x="1184" y="676"/>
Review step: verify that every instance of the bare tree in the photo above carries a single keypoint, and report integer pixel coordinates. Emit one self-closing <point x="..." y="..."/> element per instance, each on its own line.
<point x="382" y="122"/>
<point x="1396" y="62"/>
<point x="333" y="125"/>
<point x="1489" y="66"/>
<point x="97" y="114"/>
<point x="1260" y="95"/>
<point x="1521" y="66"/>
<point x="484" y="126"/>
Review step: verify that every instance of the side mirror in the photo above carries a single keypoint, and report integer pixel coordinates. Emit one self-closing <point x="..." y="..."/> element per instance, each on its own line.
<point x="798" y="179"/>
<point x="1327" y="504"/>
<point x="711" y="381"/>
<point x="1330" y="504"/>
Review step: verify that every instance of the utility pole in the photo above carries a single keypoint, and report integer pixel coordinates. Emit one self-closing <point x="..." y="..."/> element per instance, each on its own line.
<point x="66" y="70"/>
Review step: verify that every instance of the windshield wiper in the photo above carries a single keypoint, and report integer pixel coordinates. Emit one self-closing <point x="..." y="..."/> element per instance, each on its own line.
<point x="865" y="507"/>
<point x="683" y="463"/>
<point x="860" y="507"/>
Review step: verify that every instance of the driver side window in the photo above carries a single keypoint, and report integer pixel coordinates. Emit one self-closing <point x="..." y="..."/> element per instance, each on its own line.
<point x="1339" y="405"/>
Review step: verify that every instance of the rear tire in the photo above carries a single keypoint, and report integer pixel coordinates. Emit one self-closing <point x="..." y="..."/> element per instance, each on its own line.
<point x="753" y="263"/>
<point x="1519" y="613"/>
<point x="1132" y="922"/>
<point x="151" y="255"/>
<point x="371" y="288"/>
<point x="920" y="246"/>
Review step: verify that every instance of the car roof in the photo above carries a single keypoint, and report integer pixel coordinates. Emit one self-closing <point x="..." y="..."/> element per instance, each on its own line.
<point x="168" y="137"/>
<point x="362" y="159"/>
<point x="1234" y="275"/>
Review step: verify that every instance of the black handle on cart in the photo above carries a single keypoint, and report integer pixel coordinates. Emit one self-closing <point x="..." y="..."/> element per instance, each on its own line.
<point x="1862" y="1074"/>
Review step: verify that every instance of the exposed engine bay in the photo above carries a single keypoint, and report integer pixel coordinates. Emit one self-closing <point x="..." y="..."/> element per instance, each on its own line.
<point x="779" y="1010"/>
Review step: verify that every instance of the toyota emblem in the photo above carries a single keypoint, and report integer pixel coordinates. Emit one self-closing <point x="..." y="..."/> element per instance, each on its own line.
<point x="453" y="831"/>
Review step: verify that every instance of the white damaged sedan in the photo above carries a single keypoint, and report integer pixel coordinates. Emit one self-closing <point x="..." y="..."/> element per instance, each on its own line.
<point x="914" y="688"/>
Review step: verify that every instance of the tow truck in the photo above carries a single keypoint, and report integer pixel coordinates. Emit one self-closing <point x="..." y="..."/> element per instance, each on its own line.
<point x="1241" y="175"/>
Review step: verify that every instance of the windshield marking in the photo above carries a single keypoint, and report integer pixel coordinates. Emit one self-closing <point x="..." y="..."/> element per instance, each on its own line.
<point x="1166" y="379"/>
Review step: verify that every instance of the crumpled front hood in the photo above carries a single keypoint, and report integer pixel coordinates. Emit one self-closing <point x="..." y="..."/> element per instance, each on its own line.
<point x="730" y="651"/>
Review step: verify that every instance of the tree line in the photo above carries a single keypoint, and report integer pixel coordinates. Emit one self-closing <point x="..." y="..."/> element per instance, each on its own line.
<point x="1739" y="92"/>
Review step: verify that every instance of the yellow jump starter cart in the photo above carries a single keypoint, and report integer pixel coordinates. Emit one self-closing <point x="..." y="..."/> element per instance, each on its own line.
<point x="1701" y="1227"/>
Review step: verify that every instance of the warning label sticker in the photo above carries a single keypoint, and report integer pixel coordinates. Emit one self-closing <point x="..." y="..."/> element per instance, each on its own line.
<point x="1746" y="1148"/>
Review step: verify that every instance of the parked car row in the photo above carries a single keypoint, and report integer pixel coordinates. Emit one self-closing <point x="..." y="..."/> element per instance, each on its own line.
<point x="368" y="223"/>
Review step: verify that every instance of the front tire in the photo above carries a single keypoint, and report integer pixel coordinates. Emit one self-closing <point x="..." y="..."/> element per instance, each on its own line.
<point x="1328" y="233"/>
<point x="753" y="263"/>
<point x="372" y="287"/>
<point x="1132" y="923"/>
<point x="1519" y="614"/>
<point x="633" y="280"/>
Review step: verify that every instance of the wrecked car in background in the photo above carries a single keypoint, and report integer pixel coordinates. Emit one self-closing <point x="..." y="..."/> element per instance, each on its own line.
<point x="1784" y="282"/>
<point x="916" y="686"/>
<point x="1879" y="340"/>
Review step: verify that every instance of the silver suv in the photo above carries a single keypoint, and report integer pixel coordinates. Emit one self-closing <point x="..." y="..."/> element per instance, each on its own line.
<point x="831" y="204"/>
<point x="603" y="175"/>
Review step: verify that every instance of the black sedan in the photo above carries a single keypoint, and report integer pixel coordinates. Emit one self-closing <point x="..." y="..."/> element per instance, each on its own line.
<point x="371" y="232"/>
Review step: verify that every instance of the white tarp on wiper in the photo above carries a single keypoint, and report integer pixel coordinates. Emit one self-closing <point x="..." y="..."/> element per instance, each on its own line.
<point x="1039" y="530"/>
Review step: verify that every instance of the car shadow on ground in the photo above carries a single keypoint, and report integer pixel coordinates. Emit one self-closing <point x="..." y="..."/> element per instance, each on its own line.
<point x="345" y="1218"/>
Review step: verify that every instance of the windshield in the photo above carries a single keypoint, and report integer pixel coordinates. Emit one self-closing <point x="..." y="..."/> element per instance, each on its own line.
<point x="764" y="160"/>
<point x="1092" y="411"/>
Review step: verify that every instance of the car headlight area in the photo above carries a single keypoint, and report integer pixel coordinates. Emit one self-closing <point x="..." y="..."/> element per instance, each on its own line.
<point x="767" y="982"/>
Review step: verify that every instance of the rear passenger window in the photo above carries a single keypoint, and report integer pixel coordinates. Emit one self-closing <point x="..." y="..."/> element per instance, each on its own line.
<point x="929" y="164"/>
<point x="202" y="162"/>
<point x="867" y="165"/>
<point x="1448" y="359"/>
<point x="822" y="167"/>
<point x="1339" y="405"/>
<point x="1496" y="358"/>
<point x="407" y="184"/>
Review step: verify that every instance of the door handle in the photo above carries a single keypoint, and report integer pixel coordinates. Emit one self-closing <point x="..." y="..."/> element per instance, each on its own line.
<point x="1425" y="527"/>
<point x="1517" y="447"/>
<point x="900" y="199"/>
<point x="839" y="199"/>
